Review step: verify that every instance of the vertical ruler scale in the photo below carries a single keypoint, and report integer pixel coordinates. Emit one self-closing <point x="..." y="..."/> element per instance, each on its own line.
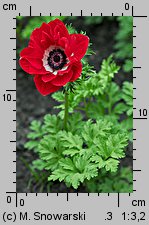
<point x="89" y="208"/>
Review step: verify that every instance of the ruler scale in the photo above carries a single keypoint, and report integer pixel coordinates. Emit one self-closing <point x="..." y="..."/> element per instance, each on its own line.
<point x="88" y="208"/>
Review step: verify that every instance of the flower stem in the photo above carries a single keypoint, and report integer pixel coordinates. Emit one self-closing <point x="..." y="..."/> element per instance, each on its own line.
<point x="66" y="111"/>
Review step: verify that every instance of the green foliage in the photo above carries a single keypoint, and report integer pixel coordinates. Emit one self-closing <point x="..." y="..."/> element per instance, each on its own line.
<point x="74" y="171"/>
<point x="128" y="97"/>
<point x="124" y="44"/>
<point x="51" y="126"/>
<point x="95" y="84"/>
<point x="96" y="138"/>
<point x="120" y="181"/>
<point x="97" y="95"/>
<point x="74" y="158"/>
<point x="34" y="136"/>
<point x="90" y="20"/>
<point x="71" y="29"/>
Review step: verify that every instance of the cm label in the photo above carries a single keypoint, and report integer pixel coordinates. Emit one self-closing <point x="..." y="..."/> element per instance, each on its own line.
<point x="9" y="7"/>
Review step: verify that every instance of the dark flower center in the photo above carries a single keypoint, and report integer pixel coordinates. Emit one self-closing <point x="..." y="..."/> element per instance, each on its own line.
<point x="57" y="59"/>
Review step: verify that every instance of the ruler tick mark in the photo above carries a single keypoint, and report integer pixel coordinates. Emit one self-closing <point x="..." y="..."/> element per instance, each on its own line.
<point x="67" y="197"/>
<point x="118" y="200"/>
<point x="136" y="67"/>
<point x="132" y="11"/>
<point x="139" y="118"/>
<point x="10" y="90"/>
<point x="140" y="16"/>
<point x="30" y="10"/>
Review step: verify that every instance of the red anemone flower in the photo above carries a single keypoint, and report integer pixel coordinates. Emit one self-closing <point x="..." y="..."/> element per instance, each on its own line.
<point x="53" y="56"/>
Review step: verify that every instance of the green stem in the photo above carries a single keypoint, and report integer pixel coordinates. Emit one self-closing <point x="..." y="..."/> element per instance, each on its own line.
<point x="109" y="106"/>
<point x="80" y="108"/>
<point x="66" y="111"/>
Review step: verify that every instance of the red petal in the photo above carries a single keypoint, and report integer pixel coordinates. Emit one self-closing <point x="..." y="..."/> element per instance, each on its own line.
<point x="36" y="63"/>
<point x="31" y="53"/>
<point x="37" y="36"/>
<point x="48" y="77"/>
<point x="54" y="29"/>
<point x="45" y="27"/>
<point x="61" y="72"/>
<point x="44" y="88"/>
<point x="35" y="39"/>
<point x="57" y="27"/>
<point x="29" y="68"/>
<point x="32" y="57"/>
<point x="78" y="44"/>
<point x="77" y="69"/>
<point x="46" y="40"/>
<point x="61" y="80"/>
<point x="63" y="42"/>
